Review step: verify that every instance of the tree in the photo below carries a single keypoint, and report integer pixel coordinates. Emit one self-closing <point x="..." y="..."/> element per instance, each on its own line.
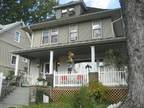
<point x="133" y="15"/>
<point x="30" y="11"/>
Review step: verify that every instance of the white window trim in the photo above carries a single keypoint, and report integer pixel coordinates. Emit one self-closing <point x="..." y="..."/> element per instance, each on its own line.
<point x="44" y="68"/>
<point x="93" y="29"/>
<point x="64" y="11"/>
<point x="12" y="58"/>
<point x="71" y="9"/>
<point x="57" y="32"/>
<point x="19" y="37"/>
<point x="49" y="37"/>
<point x="42" y="37"/>
<point x="73" y="31"/>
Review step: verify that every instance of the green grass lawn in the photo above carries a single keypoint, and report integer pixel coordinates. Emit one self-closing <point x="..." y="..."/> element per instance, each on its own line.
<point x="60" y="105"/>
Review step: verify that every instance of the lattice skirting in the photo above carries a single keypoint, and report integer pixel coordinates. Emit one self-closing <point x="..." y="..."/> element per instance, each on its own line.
<point x="114" y="94"/>
<point x="117" y="94"/>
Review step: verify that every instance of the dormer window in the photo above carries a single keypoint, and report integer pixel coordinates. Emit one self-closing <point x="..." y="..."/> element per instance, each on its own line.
<point x="64" y="12"/>
<point x="71" y="11"/>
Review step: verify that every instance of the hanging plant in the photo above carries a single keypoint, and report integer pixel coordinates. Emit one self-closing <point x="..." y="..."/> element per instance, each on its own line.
<point x="70" y="57"/>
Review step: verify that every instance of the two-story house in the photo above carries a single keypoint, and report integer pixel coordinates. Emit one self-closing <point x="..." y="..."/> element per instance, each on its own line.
<point x="12" y="38"/>
<point x="79" y="34"/>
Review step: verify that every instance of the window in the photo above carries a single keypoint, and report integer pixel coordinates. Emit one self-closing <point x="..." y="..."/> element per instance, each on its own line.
<point x="13" y="59"/>
<point x="45" y="36"/>
<point x="17" y="36"/>
<point x="54" y="35"/>
<point x="96" y="30"/>
<point x="64" y="12"/>
<point x="71" y="11"/>
<point x="73" y="32"/>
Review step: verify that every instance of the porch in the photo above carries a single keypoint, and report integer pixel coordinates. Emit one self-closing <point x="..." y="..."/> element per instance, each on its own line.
<point x="89" y="64"/>
<point x="108" y="76"/>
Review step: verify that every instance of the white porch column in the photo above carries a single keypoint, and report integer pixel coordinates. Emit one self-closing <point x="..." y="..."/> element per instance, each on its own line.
<point x="16" y="65"/>
<point x="92" y="53"/>
<point x="51" y="63"/>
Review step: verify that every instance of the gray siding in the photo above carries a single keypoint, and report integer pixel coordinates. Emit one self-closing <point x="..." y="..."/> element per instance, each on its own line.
<point x="77" y="8"/>
<point x="8" y="45"/>
<point x="9" y="37"/>
<point x="84" y="32"/>
<point x="63" y="34"/>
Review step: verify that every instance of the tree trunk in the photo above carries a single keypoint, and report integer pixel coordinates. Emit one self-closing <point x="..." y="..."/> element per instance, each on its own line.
<point x="133" y="14"/>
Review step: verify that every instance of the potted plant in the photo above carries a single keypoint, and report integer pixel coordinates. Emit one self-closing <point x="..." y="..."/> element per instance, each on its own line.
<point x="42" y="81"/>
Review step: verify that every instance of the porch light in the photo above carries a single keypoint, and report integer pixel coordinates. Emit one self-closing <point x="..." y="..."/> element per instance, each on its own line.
<point x="58" y="63"/>
<point x="38" y="65"/>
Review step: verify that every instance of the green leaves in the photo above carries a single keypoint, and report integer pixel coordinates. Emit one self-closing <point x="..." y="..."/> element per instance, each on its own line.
<point x="30" y="11"/>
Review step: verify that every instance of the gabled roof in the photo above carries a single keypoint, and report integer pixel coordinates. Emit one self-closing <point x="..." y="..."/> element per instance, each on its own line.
<point x="4" y="28"/>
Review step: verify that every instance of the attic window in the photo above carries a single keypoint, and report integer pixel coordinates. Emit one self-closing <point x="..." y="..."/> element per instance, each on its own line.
<point x="71" y="11"/>
<point x="64" y="12"/>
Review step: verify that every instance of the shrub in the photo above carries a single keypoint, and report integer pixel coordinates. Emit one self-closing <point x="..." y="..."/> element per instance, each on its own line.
<point x="67" y="98"/>
<point x="39" y="96"/>
<point x="89" y="97"/>
<point x="82" y="99"/>
<point x="97" y="92"/>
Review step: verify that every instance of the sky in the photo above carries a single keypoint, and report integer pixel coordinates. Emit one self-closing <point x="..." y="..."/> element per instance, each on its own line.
<point x="105" y="4"/>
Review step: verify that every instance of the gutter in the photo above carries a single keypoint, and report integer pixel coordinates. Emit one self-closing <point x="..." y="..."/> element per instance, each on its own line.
<point x="58" y="46"/>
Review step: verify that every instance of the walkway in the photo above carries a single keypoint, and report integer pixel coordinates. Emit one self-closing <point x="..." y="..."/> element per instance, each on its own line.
<point x="19" y="97"/>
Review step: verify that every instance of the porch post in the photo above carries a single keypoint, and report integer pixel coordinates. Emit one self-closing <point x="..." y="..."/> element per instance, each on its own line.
<point x="16" y="65"/>
<point x="51" y="63"/>
<point x="92" y="53"/>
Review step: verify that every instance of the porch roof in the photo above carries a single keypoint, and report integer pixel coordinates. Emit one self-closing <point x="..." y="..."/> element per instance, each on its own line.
<point x="62" y="48"/>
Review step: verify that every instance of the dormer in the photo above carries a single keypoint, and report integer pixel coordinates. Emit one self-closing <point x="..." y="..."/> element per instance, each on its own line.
<point x="70" y="9"/>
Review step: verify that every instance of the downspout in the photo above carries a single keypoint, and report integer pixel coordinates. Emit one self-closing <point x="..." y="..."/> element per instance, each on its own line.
<point x="112" y="23"/>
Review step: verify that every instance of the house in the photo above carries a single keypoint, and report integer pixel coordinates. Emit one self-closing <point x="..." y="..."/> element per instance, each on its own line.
<point x="68" y="50"/>
<point x="12" y="38"/>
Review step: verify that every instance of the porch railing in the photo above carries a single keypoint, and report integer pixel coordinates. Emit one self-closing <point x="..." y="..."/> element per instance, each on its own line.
<point x="70" y="80"/>
<point x="111" y="76"/>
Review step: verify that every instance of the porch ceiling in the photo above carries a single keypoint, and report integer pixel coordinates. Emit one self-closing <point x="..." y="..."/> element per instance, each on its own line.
<point x="76" y="48"/>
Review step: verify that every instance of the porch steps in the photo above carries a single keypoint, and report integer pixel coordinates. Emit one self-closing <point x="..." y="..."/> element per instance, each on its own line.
<point x="19" y="97"/>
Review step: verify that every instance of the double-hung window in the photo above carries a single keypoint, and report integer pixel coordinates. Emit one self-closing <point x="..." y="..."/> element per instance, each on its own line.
<point x="17" y="36"/>
<point x="96" y="30"/>
<point x="54" y="35"/>
<point x="73" y="32"/>
<point x="45" y="37"/>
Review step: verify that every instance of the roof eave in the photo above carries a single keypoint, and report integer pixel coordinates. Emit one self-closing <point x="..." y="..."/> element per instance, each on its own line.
<point x="91" y="42"/>
<point x="64" y="21"/>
